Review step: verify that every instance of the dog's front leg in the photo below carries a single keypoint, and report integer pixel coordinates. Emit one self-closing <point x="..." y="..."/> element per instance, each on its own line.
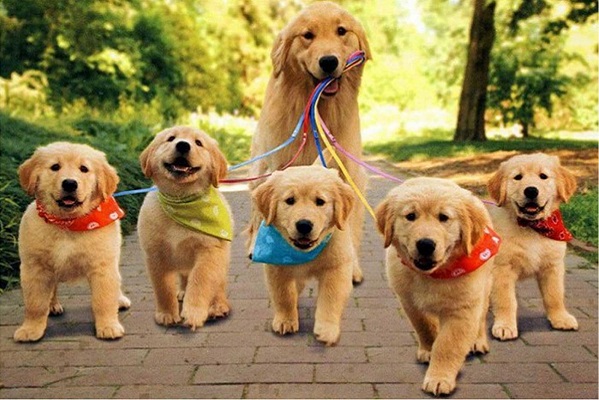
<point x="283" y="291"/>
<point x="504" y="303"/>
<point x="456" y="335"/>
<point x="37" y="291"/>
<point x="426" y="327"/>
<point x="106" y="291"/>
<point x="334" y="288"/>
<point x="551" y="284"/>
<point x="201" y="285"/>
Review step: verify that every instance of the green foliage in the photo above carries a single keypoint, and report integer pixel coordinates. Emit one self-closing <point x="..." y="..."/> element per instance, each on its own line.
<point x="580" y="214"/>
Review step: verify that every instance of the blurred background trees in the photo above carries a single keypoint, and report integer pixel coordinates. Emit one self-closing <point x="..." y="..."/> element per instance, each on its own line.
<point x="168" y="59"/>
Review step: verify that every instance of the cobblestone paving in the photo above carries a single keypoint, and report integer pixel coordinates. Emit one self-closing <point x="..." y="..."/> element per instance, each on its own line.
<point x="239" y="357"/>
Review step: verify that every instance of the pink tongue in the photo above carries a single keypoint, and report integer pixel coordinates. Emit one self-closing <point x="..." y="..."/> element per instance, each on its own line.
<point x="68" y="202"/>
<point x="333" y="87"/>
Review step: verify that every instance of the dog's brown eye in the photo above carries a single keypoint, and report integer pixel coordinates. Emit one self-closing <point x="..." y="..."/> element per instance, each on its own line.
<point x="308" y="35"/>
<point x="411" y="217"/>
<point x="443" y="217"/>
<point x="290" y="201"/>
<point x="199" y="143"/>
<point x="170" y="139"/>
<point x="341" y="31"/>
<point x="543" y="176"/>
<point x="320" y="202"/>
<point x="55" y="167"/>
<point x="84" y="169"/>
<point x="518" y="177"/>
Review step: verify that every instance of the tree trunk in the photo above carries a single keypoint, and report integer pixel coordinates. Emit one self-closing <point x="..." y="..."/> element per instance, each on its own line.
<point x="471" y="115"/>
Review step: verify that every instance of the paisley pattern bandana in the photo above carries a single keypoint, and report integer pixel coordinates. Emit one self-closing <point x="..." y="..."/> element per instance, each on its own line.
<point x="205" y="213"/>
<point x="551" y="227"/>
<point x="105" y="214"/>
<point x="272" y="248"/>
<point x="486" y="248"/>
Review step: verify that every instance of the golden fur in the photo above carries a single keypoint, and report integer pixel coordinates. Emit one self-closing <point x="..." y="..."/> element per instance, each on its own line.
<point x="448" y="315"/>
<point x="172" y="251"/>
<point x="50" y="254"/>
<point x="296" y="71"/>
<point x="524" y="252"/>
<point x="321" y="197"/>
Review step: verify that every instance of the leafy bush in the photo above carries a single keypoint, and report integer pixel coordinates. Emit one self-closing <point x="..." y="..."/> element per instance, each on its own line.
<point x="580" y="215"/>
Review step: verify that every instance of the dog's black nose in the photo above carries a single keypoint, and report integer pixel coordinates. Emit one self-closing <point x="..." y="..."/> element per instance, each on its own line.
<point x="304" y="226"/>
<point x="328" y="64"/>
<point x="69" y="185"/>
<point x="183" y="147"/>
<point x="426" y="247"/>
<point x="531" y="192"/>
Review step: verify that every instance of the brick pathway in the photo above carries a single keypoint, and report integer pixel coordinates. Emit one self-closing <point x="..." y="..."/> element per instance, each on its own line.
<point x="240" y="357"/>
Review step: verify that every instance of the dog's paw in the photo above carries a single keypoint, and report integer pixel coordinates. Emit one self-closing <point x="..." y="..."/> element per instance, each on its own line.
<point x="166" y="319"/>
<point x="28" y="334"/>
<point x="284" y="325"/>
<point x="218" y="310"/>
<point x="438" y="385"/>
<point x="327" y="333"/>
<point x="112" y="331"/>
<point x="563" y="321"/>
<point x="194" y="318"/>
<point x="480" y="346"/>
<point x="504" y="332"/>
<point x="124" y="302"/>
<point x="56" y="309"/>
<point x="423" y="355"/>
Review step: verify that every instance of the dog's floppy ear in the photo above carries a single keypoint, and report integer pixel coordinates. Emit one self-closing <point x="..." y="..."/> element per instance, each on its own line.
<point x="108" y="178"/>
<point x="362" y="39"/>
<point x="265" y="200"/>
<point x="385" y="218"/>
<point x="497" y="186"/>
<point x="29" y="173"/>
<point x="344" y="202"/>
<point x="145" y="159"/>
<point x="474" y="219"/>
<point x="280" y="51"/>
<point x="566" y="183"/>
<point x="219" y="164"/>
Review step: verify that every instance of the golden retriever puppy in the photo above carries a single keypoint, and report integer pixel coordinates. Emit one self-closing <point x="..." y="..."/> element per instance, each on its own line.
<point x="528" y="190"/>
<point x="70" y="231"/>
<point x="305" y="214"/>
<point x="185" y="228"/>
<point x="439" y="260"/>
<point x="312" y="47"/>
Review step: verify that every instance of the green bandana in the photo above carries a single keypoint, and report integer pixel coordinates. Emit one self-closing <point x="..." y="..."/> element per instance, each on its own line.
<point x="207" y="214"/>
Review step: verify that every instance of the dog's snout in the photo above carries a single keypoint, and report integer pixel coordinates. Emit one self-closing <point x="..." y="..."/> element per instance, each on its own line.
<point x="328" y="64"/>
<point x="183" y="147"/>
<point x="531" y="192"/>
<point x="304" y="226"/>
<point x="69" y="185"/>
<point x="426" y="247"/>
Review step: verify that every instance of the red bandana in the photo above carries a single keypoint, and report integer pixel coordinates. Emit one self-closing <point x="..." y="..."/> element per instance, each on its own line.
<point x="551" y="227"/>
<point x="105" y="214"/>
<point x="486" y="248"/>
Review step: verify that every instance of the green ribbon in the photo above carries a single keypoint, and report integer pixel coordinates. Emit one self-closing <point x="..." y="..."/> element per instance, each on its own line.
<point x="205" y="213"/>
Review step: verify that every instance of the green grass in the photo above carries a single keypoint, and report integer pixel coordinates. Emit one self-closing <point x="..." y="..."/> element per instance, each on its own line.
<point x="439" y="144"/>
<point x="580" y="216"/>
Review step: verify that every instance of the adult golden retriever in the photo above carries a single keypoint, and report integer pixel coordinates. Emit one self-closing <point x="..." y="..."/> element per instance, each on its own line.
<point x="186" y="165"/>
<point x="433" y="229"/>
<point x="70" y="182"/>
<point x="306" y="204"/>
<point x="312" y="47"/>
<point x="528" y="190"/>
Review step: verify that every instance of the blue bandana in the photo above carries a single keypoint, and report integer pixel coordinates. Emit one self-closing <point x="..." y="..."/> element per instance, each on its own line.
<point x="272" y="248"/>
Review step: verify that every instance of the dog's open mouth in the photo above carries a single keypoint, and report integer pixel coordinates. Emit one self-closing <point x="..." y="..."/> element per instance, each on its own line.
<point x="180" y="167"/>
<point x="332" y="88"/>
<point x="303" y="243"/>
<point x="425" y="264"/>
<point x="68" y="202"/>
<point x="530" y="209"/>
